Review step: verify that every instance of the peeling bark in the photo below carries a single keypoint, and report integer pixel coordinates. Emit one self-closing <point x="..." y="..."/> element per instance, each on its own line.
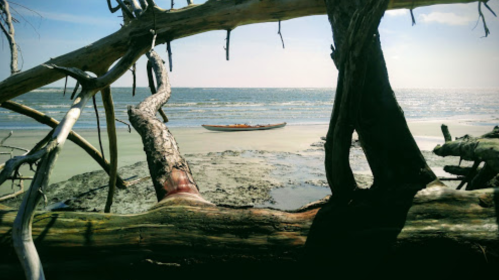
<point x="169" y="171"/>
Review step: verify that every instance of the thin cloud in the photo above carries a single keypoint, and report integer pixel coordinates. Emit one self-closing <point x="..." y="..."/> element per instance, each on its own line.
<point x="71" y="18"/>
<point x="446" y="18"/>
<point x="396" y="13"/>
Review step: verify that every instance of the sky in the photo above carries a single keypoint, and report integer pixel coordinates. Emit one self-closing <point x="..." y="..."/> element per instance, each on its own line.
<point x="443" y="50"/>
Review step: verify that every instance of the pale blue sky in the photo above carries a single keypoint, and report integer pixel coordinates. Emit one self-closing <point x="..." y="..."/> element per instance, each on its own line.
<point x="441" y="50"/>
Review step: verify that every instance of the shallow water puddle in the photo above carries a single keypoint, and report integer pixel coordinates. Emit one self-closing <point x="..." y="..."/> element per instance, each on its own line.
<point x="291" y="198"/>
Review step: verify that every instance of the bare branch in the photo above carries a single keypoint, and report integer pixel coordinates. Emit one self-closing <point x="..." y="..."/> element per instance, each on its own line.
<point x="96" y="109"/>
<point x="227" y="44"/>
<point x="111" y="9"/>
<point x="137" y="9"/>
<point x="12" y="195"/>
<point x="65" y="86"/>
<point x="6" y="137"/>
<point x="480" y="15"/>
<point x="73" y="136"/>
<point x="489" y="8"/>
<point x="446" y="133"/>
<point x="14" y="148"/>
<point x="169" y="50"/>
<point x="107" y="100"/>
<point x="134" y="78"/>
<point x="412" y="13"/>
<point x="280" y="34"/>
<point x="81" y="76"/>
<point x="10" y="34"/>
<point x="77" y="86"/>
<point x="125" y="9"/>
<point x="153" y="89"/>
<point x="127" y="124"/>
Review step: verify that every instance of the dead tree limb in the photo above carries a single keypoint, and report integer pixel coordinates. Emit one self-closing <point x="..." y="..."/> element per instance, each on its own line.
<point x="152" y="87"/>
<point x="134" y="79"/>
<point x="107" y="100"/>
<point x="446" y="133"/>
<point x="9" y="33"/>
<point x="73" y="136"/>
<point x="111" y="9"/>
<point x="21" y="229"/>
<point x="125" y="123"/>
<point x="169" y="51"/>
<point x="227" y="44"/>
<point x="96" y="109"/>
<point x="280" y="34"/>
<point x="169" y="171"/>
<point x="12" y="195"/>
<point x="482" y="149"/>
<point x="212" y="15"/>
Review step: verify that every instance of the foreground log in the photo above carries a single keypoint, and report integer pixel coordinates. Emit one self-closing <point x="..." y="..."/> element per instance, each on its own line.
<point x="443" y="225"/>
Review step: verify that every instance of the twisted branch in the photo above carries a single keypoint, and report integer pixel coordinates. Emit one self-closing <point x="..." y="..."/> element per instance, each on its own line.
<point x="21" y="230"/>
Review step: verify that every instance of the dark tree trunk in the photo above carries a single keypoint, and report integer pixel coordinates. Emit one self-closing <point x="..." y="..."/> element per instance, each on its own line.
<point x="357" y="227"/>
<point x="365" y="102"/>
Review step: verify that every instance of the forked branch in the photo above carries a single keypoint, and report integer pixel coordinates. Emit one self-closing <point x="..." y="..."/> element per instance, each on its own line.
<point x="21" y="230"/>
<point x="73" y="136"/>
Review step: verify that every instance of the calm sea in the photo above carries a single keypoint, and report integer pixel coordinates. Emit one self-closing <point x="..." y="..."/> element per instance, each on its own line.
<point x="192" y="107"/>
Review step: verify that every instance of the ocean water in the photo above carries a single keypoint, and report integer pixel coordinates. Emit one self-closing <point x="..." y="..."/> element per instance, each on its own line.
<point x="192" y="107"/>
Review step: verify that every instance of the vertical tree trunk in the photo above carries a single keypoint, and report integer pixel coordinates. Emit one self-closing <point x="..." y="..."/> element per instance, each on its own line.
<point x="366" y="102"/>
<point x="356" y="228"/>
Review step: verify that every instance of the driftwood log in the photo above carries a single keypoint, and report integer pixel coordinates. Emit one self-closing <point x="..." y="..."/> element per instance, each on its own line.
<point x="453" y="227"/>
<point x="483" y="149"/>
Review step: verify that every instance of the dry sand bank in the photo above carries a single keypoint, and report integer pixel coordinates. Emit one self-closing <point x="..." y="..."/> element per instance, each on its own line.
<point x="280" y="168"/>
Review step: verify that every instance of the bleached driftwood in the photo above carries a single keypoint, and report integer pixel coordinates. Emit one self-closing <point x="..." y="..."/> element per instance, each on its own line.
<point x="195" y="236"/>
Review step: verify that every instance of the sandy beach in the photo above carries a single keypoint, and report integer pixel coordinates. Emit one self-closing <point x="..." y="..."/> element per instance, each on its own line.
<point x="281" y="168"/>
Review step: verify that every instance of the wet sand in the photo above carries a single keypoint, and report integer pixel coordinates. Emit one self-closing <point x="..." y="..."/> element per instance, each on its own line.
<point x="281" y="168"/>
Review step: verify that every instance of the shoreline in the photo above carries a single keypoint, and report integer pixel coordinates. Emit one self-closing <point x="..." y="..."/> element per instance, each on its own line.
<point x="195" y="140"/>
<point x="280" y="168"/>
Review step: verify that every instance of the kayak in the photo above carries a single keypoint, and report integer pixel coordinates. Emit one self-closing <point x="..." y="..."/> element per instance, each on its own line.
<point x="242" y="127"/>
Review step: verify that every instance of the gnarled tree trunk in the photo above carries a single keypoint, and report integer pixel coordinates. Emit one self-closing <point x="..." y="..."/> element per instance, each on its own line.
<point x="349" y="230"/>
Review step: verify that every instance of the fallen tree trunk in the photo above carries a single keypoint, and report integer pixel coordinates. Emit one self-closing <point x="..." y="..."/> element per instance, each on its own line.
<point x="482" y="149"/>
<point x="175" y="24"/>
<point x="169" y="171"/>
<point x="182" y="235"/>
